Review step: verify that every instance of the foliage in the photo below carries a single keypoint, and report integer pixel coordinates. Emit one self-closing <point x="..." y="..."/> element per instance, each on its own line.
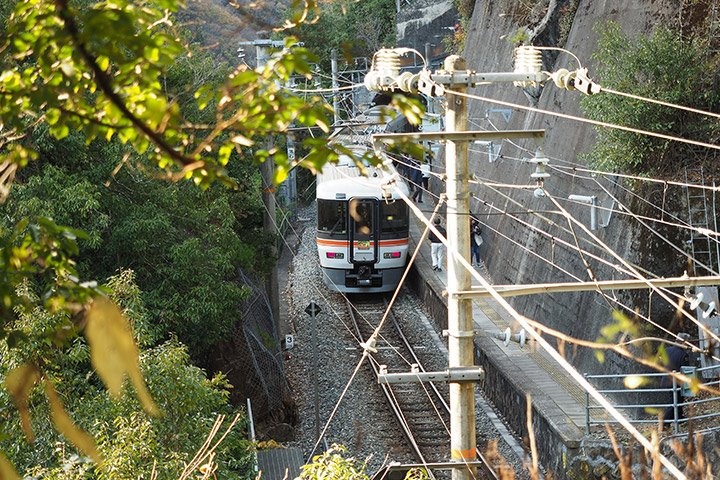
<point x="57" y="71"/>
<point x="455" y="43"/>
<point x="354" y="29"/>
<point x="77" y="101"/>
<point x="128" y="440"/>
<point x="332" y="464"/>
<point x="185" y="246"/>
<point x="666" y="67"/>
<point x="183" y="243"/>
<point x="96" y="98"/>
<point x="66" y="198"/>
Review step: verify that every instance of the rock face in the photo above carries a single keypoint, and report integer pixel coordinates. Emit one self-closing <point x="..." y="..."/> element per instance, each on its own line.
<point x="566" y="24"/>
<point x="423" y="25"/>
<point x="523" y="249"/>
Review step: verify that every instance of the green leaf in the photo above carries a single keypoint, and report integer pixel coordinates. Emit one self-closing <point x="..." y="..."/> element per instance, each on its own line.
<point x="60" y="131"/>
<point x="224" y="153"/>
<point x="52" y="116"/>
<point x="280" y="174"/>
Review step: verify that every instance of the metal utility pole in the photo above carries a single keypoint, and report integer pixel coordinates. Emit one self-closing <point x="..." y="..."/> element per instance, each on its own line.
<point x="267" y="168"/>
<point x="335" y="86"/>
<point x="313" y="309"/>
<point x="462" y="373"/>
<point x="460" y="320"/>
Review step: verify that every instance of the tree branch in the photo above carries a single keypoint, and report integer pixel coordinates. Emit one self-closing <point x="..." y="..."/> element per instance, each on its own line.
<point x="105" y="84"/>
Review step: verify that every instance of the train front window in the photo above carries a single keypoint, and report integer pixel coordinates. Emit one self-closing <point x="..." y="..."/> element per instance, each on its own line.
<point x="394" y="219"/>
<point x="361" y="212"/>
<point x="332" y="217"/>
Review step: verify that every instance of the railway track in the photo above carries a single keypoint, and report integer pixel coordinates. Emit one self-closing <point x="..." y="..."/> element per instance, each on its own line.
<point x="420" y="408"/>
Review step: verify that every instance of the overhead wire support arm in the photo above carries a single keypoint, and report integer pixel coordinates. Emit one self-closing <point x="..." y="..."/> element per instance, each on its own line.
<point x="385" y="75"/>
<point x="459" y="136"/>
<point x="631" y="284"/>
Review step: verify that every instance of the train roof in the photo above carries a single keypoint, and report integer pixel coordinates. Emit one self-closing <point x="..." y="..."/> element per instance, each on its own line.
<point x="345" y="179"/>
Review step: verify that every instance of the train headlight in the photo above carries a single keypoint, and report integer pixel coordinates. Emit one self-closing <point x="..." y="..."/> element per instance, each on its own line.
<point x="336" y="255"/>
<point x="392" y="255"/>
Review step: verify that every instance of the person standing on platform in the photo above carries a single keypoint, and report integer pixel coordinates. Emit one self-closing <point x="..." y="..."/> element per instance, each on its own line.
<point x="675" y="358"/>
<point x="416" y="180"/>
<point x="437" y="249"/>
<point x="475" y="241"/>
<point x="425" y="178"/>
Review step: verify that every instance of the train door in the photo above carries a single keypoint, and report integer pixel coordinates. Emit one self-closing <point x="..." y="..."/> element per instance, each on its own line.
<point x="363" y="230"/>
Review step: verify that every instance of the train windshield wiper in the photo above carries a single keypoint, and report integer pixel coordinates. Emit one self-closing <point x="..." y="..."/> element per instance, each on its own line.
<point x="337" y="224"/>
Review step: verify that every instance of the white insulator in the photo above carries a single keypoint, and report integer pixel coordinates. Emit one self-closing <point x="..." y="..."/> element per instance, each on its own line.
<point x="385" y="70"/>
<point x="564" y="79"/>
<point x="540" y="161"/>
<point x="387" y="62"/>
<point x="540" y="173"/>
<point x="408" y="82"/>
<point x="528" y="59"/>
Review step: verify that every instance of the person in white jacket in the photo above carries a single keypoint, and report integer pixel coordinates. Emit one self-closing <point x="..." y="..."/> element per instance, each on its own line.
<point x="437" y="249"/>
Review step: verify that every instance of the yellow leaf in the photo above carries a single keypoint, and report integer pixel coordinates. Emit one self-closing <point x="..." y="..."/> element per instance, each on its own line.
<point x="695" y="384"/>
<point x="242" y="140"/>
<point x="65" y="425"/>
<point x="19" y="382"/>
<point x="113" y="351"/>
<point x="7" y="472"/>
<point x="633" y="382"/>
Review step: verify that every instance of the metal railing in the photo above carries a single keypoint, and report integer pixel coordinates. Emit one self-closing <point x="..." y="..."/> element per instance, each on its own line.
<point x="644" y="405"/>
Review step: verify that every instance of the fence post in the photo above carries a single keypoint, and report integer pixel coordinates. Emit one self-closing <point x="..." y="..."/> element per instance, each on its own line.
<point x="587" y="408"/>
<point x="675" y="404"/>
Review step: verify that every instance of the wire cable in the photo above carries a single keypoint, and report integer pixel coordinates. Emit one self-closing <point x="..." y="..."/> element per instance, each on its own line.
<point x="659" y="102"/>
<point x="586" y="120"/>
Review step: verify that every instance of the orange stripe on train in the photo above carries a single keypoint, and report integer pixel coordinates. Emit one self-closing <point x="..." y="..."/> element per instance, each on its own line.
<point x="344" y="243"/>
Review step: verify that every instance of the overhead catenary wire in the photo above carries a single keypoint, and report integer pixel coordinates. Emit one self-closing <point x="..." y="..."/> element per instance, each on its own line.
<point x="369" y="341"/>
<point x="377" y="333"/>
<point x="627" y="307"/>
<point x="625" y="210"/>
<point x="697" y="143"/>
<point x="587" y="120"/>
<point x="711" y="234"/>
<point x="592" y="391"/>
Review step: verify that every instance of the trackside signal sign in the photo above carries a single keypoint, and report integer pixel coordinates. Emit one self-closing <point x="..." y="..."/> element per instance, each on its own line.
<point x="313" y="309"/>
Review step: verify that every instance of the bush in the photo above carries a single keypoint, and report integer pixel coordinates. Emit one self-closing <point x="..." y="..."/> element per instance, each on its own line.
<point x="666" y="67"/>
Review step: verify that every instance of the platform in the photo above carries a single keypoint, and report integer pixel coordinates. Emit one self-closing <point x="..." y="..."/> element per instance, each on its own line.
<point x="522" y="369"/>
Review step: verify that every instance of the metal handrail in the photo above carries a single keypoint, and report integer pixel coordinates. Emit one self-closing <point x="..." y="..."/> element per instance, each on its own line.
<point x="675" y="389"/>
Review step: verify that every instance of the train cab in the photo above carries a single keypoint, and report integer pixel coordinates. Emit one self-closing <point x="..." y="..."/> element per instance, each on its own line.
<point x="362" y="229"/>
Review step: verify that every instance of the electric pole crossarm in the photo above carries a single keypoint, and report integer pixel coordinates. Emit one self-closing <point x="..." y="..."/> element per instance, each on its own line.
<point x="459" y="136"/>
<point x="518" y="290"/>
<point x="471" y="79"/>
<point x="450" y="375"/>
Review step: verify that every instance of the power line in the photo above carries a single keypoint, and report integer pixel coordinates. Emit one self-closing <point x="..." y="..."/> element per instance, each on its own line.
<point x="589" y="121"/>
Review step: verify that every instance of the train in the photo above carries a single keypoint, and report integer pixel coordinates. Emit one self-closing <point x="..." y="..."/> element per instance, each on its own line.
<point x="362" y="220"/>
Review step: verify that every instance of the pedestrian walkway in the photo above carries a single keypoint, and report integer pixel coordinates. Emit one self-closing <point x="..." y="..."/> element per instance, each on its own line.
<point x="555" y="394"/>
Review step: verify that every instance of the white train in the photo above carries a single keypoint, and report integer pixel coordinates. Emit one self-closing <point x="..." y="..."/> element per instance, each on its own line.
<point x="362" y="221"/>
